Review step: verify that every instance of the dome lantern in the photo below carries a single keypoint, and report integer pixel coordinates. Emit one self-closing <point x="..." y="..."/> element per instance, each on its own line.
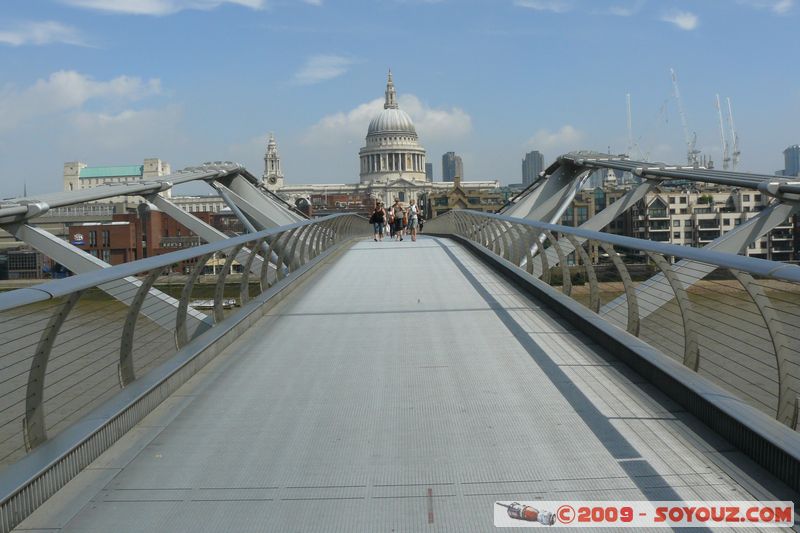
<point x="391" y="96"/>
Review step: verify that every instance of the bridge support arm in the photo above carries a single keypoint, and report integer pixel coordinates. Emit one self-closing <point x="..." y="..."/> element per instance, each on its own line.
<point x="257" y="206"/>
<point x="81" y="262"/>
<point x="656" y="290"/>
<point x="205" y="231"/>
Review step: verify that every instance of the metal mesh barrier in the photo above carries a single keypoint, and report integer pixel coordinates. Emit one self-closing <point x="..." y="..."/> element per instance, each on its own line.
<point x="732" y="319"/>
<point x="69" y="346"/>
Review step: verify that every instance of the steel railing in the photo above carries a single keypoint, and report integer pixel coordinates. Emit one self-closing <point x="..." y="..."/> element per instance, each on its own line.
<point x="731" y="318"/>
<point x="67" y="347"/>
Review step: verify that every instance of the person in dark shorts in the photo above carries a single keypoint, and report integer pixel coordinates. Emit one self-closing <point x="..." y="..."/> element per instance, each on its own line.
<point x="398" y="212"/>
<point x="378" y="219"/>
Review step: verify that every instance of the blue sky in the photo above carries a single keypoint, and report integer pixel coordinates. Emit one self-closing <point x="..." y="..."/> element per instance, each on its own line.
<point x="115" y="81"/>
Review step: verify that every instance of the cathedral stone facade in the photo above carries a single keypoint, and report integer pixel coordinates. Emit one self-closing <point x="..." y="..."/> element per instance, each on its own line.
<point x="392" y="163"/>
<point x="392" y="149"/>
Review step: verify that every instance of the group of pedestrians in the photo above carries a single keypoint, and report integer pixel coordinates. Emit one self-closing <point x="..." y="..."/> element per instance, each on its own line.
<point x="396" y="221"/>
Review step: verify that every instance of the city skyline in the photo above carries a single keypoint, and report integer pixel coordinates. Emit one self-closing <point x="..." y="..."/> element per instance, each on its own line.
<point x="313" y="73"/>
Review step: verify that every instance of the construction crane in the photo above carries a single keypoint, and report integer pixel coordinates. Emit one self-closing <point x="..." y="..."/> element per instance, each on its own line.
<point x="633" y="145"/>
<point x="630" y="125"/>
<point x="734" y="136"/>
<point x="691" y="141"/>
<point x="726" y="155"/>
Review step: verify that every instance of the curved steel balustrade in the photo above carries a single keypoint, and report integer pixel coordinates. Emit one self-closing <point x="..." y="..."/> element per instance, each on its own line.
<point x="66" y="349"/>
<point x="739" y="329"/>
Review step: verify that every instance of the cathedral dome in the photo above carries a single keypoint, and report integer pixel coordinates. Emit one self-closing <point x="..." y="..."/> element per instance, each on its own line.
<point x="391" y="120"/>
<point x="392" y="150"/>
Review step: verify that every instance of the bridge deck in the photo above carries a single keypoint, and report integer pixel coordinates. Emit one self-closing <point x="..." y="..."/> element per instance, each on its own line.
<point x="404" y="387"/>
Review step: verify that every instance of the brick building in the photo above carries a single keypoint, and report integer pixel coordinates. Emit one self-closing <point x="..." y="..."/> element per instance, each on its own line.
<point x="143" y="233"/>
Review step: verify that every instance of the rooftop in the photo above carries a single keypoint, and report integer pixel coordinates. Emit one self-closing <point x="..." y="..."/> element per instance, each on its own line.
<point x="112" y="172"/>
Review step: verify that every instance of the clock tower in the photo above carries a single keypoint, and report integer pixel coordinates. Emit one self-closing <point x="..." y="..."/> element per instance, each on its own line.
<point x="273" y="177"/>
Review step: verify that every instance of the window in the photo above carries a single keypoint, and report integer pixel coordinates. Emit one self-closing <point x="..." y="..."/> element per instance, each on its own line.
<point x="726" y="221"/>
<point x="106" y="238"/>
<point x="583" y="214"/>
<point x="107" y="255"/>
<point x="683" y="199"/>
<point x="757" y="198"/>
<point x="676" y="223"/>
<point x="671" y="211"/>
<point x="92" y="238"/>
<point x="689" y="223"/>
<point x="745" y="197"/>
<point x="676" y="234"/>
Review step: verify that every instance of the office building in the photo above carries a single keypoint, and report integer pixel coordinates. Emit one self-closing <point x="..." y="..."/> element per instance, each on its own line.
<point x="532" y="166"/>
<point x="452" y="167"/>
<point x="792" y="161"/>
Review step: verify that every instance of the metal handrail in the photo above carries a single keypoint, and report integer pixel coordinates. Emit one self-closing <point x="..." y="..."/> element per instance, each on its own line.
<point x="116" y="369"/>
<point x="768" y="184"/>
<point x="63" y="287"/>
<point x="777" y="305"/>
<point x="753" y="265"/>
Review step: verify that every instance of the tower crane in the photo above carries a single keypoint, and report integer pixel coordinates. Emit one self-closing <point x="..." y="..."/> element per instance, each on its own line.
<point x="633" y="145"/>
<point x="691" y="141"/>
<point x="726" y="156"/>
<point x="734" y="136"/>
<point x="630" y="125"/>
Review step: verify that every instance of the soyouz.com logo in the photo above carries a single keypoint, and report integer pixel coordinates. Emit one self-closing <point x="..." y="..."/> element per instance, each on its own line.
<point x="636" y="514"/>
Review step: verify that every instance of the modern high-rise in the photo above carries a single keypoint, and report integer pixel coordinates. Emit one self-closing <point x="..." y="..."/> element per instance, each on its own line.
<point x="792" y="158"/>
<point x="429" y="171"/>
<point x="452" y="166"/>
<point x="532" y="165"/>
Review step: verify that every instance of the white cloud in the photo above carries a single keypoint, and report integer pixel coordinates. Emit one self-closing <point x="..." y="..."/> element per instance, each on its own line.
<point x="39" y="33"/>
<point x="556" y="6"/>
<point x="67" y="90"/>
<point x="348" y="125"/>
<point x="780" y="7"/>
<point x="158" y="7"/>
<point x="625" y="10"/>
<point x="436" y="124"/>
<point x="685" y="20"/>
<point x="564" y="140"/>
<point x="313" y="2"/>
<point x="126" y="132"/>
<point x="351" y="127"/>
<point x="322" y="67"/>
<point x="621" y="11"/>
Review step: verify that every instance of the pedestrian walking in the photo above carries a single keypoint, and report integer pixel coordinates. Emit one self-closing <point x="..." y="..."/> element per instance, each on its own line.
<point x="413" y="219"/>
<point x="398" y="212"/>
<point x="378" y="220"/>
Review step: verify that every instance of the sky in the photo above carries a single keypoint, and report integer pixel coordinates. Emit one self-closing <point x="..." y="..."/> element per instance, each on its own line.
<point x="112" y="82"/>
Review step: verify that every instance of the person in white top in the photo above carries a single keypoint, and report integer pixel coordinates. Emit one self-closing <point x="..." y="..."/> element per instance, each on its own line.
<point x="413" y="219"/>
